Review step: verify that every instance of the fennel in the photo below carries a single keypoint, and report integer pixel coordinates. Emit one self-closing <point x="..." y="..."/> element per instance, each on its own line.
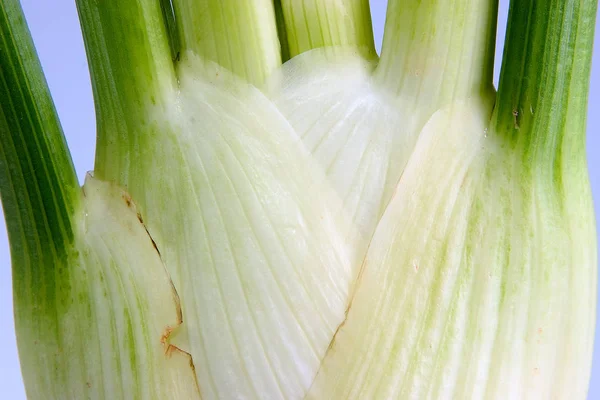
<point x="276" y="212"/>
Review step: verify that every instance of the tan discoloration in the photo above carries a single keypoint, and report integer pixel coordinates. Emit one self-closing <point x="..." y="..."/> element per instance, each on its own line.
<point x="127" y="198"/>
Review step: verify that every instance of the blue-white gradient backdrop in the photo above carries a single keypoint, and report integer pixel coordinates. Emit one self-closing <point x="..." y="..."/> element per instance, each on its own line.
<point x="57" y="36"/>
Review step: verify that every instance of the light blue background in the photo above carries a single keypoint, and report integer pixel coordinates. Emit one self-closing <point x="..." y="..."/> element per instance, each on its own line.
<point x="56" y="32"/>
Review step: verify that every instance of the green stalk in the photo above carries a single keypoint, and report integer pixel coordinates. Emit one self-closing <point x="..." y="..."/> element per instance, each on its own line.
<point x="38" y="181"/>
<point x="132" y="72"/>
<point x="38" y="187"/>
<point x="540" y="116"/>
<point x="438" y="50"/>
<point x="240" y="35"/>
<point x="311" y="24"/>
<point x="38" y="184"/>
<point x="543" y="91"/>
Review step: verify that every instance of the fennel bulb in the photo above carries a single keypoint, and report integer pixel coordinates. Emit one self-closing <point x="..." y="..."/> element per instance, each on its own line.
<point x="276" y="212"/>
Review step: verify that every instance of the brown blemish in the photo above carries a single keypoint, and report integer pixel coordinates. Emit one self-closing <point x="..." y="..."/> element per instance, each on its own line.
<point x="164" y="340"/>
<point x="125" y="196"/>
<point x="130" y="204"/>
<point x="171" y="349"/>
<point x="151" y="239"/>
<point x="515" y="114"/>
